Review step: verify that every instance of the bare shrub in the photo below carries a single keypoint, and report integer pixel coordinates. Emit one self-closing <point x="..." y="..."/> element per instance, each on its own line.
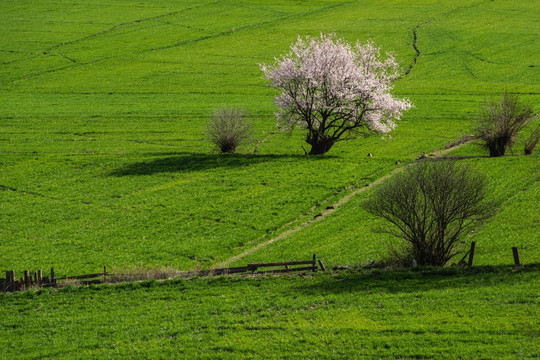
<point x="228" y="128"/>
<point x="430" y="206"/>
<point x="531" y="141"/>
<point x="500" y="121"/>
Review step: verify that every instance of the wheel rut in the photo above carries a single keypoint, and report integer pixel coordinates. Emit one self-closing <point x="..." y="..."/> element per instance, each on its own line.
<point x="301" y="223"/>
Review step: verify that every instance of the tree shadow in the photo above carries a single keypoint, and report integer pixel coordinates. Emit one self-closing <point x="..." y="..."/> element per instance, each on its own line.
<point x="416" y="280"/>
<point x="171" y="162"/>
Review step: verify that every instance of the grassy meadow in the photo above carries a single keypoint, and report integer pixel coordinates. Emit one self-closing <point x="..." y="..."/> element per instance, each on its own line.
<point x="104" y="109"/>
<point x="105" y="161"/>
<point x="483" y="313"/>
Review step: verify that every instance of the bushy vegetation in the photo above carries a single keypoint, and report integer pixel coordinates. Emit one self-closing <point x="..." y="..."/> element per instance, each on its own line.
<point x="532" y="141"/>
<point x="228" y="128"/>
<point x="501" y="121"/>
<point x="431" y="206"/>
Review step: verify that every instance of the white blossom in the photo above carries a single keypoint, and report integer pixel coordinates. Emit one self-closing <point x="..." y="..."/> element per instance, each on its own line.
<point x="334" y="90"/>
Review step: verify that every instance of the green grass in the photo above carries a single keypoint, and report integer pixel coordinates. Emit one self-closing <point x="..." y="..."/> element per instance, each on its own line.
<point x="479" y="313"/>
<point x="104" y="161"/>
<point x="351" y="235"/>
<point x="104" y="107"/>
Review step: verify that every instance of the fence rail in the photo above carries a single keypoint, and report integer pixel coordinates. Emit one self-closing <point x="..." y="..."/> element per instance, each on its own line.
<point x="37" y="280"/>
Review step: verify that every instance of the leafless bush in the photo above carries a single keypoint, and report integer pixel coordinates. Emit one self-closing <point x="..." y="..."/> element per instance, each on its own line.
<point x="430" y="206"/>
<point x="532" y="140"/>
<point x="500" y="121"/>
<point x="228" y="128"/>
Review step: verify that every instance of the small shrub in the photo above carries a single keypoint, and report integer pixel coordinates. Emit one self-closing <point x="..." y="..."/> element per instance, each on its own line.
<point x="500" y="122"/>
<point x="228" y="128"/>
<point x="532" y="140"/>
<point x="430" y="206"/>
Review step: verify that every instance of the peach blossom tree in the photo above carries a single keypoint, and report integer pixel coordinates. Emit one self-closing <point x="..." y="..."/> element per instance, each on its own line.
<point x="334" y="90"/>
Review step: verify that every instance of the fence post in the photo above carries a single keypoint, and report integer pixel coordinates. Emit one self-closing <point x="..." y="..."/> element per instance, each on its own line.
<point x="10" y="277"/>
<point x="11" y="280"/>
<point x="471" y="253"/>
<point x="104" y="273"/>
<point x="39" y="276"/>
<point x="27" y="279"/>
<point x="314" y="262"/>
<point x="516" y="256"/>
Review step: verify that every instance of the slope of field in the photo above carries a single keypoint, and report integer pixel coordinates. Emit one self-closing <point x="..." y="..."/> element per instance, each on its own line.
<point x="104" y="107"/>
<point x="351" y="236"/>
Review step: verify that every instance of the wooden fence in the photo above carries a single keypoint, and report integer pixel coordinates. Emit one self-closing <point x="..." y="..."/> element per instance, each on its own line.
<point x="37" y="280"/>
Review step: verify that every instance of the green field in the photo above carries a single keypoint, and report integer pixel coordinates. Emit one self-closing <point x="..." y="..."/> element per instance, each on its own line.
<point x="484" y="313"/>
<point x="104" y="109"/>
<point x="104" y="161"/>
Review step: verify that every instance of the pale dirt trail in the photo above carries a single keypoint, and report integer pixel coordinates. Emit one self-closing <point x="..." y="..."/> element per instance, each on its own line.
<point x="332" y="207"/>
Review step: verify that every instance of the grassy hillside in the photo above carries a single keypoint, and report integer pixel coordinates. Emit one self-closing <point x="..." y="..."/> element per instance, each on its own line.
<point x="104" y="107"/>
<point x="483" y="313"/>
<point x="103" y="159"/>
<point x="351" y="235"/>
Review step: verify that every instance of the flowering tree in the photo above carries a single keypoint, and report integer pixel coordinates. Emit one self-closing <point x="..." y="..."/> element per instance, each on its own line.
<point x="335" y="91"/>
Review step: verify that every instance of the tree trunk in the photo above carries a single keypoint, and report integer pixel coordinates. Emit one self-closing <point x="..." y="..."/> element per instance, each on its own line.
<point x="320" y="148"/>
<point x="496" y="149"/>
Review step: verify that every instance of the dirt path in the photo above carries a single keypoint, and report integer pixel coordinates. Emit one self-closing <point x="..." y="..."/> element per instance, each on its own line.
<point x="332" y="207"/>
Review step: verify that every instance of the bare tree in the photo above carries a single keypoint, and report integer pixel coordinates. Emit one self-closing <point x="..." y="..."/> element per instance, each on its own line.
<point x="335" y="91"/>
<point x="228" y="128"/>
<point x="500" y="121"/>
<point x="431" y="206"/>
<point x="532" y="140"/>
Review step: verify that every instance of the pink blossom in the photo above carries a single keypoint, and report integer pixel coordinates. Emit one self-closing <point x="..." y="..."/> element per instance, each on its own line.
<point x="334" y="90"/>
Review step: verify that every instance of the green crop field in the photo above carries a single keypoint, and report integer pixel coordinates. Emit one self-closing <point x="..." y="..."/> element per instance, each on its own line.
<point x="104" y="160"/>
<point x="486" y="313"/>
<point x="104" y="109"/>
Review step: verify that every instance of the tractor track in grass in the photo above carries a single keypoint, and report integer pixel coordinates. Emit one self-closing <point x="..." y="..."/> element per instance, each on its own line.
<point x="230" y="32"/>
<point x="417" y="27"/>
<point x="107" y="31"/>
<point x="415" y="48"/>
<point x="417" y="54"/>
<point x="32" y="193"/>
<point x="290" y="227"/>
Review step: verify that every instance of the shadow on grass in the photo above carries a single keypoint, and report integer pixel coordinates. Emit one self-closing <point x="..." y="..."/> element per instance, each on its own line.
<point x="187" y="162"/>
<point x="417" y="280"/>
